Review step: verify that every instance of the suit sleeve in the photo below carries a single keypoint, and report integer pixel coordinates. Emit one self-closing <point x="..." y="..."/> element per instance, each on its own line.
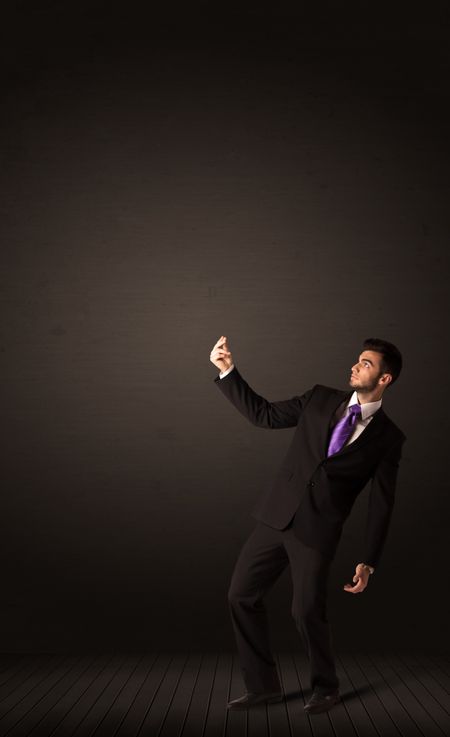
<point x="256" y="409"/>
<point x="381" y="503"/>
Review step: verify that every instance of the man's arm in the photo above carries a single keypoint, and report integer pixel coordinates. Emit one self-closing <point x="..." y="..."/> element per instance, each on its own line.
<point x="256" y="409"/>
<point x="381" y="503"/>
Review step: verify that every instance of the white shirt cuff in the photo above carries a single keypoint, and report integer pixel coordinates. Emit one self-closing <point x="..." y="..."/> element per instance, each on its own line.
<point x="227" y="371"/>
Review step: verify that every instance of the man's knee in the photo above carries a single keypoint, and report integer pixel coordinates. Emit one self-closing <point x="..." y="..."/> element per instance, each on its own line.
<point x="309" y="613"/>
<point x="239" y="596"/>
<point x="236" y="593"/>
<point x="232" y="594"/>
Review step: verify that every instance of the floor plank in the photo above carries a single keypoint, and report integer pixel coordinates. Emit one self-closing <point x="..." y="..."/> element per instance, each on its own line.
<point x="216" y="716"/>
<point x="195" y="720"/>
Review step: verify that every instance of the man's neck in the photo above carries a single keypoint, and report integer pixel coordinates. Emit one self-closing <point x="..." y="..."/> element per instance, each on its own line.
<point x="366" y="397"/>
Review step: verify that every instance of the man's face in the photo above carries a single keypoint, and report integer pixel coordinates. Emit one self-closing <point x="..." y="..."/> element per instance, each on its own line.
<point x="366" y="373"/>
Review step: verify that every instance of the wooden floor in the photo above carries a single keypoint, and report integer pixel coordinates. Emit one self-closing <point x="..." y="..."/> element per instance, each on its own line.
<point x="169" y="695"/>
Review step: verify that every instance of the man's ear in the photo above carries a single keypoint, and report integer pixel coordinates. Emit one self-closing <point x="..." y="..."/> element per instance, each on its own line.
<point x="386" y="379"/>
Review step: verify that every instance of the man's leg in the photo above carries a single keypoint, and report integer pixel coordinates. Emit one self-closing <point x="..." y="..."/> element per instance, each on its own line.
<point x="310" y="570"/>
<point x="260" y="562"/>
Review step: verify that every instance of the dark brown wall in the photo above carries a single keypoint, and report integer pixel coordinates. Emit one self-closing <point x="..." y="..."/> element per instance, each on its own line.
<point x="277" y="177"/>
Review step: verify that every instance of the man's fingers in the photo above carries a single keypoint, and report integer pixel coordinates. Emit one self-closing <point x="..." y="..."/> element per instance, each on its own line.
<point x="355" y="588"/>
<point x="220" y="345"/>
<point x="352" y="589"/>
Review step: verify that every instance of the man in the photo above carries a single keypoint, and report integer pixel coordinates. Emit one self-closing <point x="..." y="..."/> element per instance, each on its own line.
<point x="342" y="440"/>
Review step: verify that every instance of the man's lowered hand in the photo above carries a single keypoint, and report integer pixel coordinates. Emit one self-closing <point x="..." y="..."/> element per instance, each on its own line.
<point x="360" y="578"/>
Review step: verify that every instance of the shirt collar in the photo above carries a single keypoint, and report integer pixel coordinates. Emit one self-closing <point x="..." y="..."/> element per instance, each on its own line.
<point x="368" y="409"/>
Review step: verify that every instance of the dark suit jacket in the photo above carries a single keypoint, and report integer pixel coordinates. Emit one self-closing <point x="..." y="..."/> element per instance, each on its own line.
<point x="314" y="491"/>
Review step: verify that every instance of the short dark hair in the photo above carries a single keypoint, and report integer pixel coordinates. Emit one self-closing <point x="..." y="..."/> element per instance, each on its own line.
<point x="391" y="358"/>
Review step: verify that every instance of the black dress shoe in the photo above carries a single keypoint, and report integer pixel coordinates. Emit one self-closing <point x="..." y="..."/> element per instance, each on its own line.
<point x="249" y="699"/>
<point x="321" y="702"/>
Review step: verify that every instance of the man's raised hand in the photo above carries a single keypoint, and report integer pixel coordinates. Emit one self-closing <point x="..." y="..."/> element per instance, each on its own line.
<point x="220" y="356"/>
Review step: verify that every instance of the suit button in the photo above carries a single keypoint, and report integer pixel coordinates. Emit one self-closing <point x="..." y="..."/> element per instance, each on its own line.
<point x="311" y="483"/>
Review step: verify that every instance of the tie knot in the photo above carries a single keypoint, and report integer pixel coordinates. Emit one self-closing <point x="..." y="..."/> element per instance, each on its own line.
<point x="355" y="409"/>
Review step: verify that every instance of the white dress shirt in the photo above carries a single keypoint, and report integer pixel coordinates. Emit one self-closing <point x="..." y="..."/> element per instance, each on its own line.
<point x="367" y="412"/>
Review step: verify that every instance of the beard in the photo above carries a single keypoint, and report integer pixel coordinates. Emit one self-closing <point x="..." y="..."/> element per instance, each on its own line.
<point x="367" y="387"/>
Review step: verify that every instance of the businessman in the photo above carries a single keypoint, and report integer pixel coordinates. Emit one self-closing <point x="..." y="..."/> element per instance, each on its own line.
<point x="342" y="440"/>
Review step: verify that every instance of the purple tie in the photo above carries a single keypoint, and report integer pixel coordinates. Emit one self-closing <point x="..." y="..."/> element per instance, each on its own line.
<point x="344" y="429"/>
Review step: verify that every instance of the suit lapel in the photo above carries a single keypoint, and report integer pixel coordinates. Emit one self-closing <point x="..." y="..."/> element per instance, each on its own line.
<point x="374" y="426"/>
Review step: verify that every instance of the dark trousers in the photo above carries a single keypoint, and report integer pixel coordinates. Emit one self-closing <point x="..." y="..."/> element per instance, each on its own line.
<point x="261" y="561"/>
